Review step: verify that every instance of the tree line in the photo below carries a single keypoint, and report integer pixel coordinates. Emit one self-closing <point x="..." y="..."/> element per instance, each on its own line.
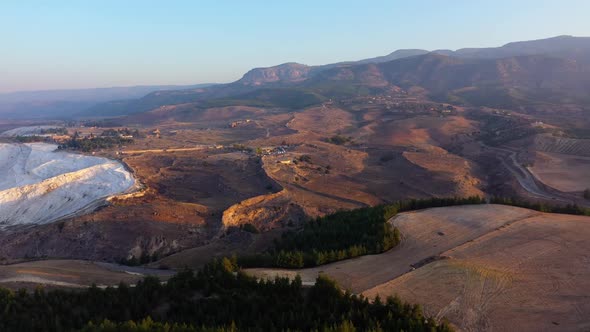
<point x="87" y="144"/>
<point x="542" y="207"/>
<point x="218" y="297"/>
<point x="343" y="235"/>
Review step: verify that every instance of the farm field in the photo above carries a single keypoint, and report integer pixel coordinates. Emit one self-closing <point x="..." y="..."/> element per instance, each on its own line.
<point x="568" y="173"/>
<point x="425" y="234"/>
<point x="484" y="268"/>
<point x="531" y="274"/>
<point x="72" y="273"/>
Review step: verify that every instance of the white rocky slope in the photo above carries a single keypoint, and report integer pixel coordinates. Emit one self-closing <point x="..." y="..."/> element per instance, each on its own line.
<point x="26" y="131"/>
<point x="39" y="185"/>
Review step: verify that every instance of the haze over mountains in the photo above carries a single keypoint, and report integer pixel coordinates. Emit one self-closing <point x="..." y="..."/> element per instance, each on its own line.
<point x="576" y="48"/>
<point x="63" y="102"/>
<point x="514" y="75"/>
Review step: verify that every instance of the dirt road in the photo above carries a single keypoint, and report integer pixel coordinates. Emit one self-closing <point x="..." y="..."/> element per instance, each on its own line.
<point x="529" y="182"/>
<point x="196" y="148"/>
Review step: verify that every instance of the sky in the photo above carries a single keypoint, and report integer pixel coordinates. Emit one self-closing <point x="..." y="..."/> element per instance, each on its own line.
<point x="103" y="43"/>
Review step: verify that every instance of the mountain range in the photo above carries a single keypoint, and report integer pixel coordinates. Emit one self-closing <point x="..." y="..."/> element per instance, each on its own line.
<point x="568" y="47"/>
<point x="552" y="70"/>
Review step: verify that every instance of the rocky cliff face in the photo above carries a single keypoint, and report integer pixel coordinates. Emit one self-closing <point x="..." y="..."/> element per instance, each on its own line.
<point x="285" y="73"/>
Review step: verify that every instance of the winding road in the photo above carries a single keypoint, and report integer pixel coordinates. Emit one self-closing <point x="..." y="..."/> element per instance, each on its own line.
<point x="528" y="181"/>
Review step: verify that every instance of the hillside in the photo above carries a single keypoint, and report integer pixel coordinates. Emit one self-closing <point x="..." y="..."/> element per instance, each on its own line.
<point x="563" y="47"/>
<point x="511" y="75"/>
<point x="505" y="82"/>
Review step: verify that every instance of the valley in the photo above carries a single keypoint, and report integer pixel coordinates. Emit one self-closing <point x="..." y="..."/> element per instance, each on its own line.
<point x="207" y="172"/>
<point x="115" y="190"/>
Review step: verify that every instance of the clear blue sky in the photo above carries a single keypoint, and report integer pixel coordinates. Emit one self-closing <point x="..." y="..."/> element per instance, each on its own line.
<point x="100" y="43"/>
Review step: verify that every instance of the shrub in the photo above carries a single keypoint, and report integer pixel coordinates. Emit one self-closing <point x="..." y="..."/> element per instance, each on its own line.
<point x="339" y="139"/>
<point x="250" y="228"/>
<point x="305" y="158"/>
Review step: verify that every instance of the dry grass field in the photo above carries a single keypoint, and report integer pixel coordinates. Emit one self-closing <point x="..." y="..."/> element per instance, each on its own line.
<point x="531" y="274"/>
<point x="323" y="120"/>
<point x="447" y="165"/>
<point x="72" y="273"/>
<point x="421" y="131"/>
<point x="568" y="173"/>
<point x="427" y="233"/>
<point x="485" y="268"/>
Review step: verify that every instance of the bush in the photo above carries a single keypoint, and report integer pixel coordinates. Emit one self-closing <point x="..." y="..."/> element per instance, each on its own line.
<point x="305" y="158"/>
<point x="90" y="144"/>
<point x="250" y="228"/>
<point x="386" y="157"/>
<point x="339" y="139"/>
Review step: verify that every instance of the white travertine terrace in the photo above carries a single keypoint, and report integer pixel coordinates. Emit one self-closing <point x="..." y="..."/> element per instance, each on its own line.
<point x="39" y="184"/>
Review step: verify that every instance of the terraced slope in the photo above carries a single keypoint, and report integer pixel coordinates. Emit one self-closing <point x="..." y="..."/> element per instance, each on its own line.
<point x="546" y="143"/>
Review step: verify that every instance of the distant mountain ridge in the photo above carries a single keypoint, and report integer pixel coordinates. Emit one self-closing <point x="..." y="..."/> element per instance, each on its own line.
<point x="503" y="82"/>
<point x="291" y="72"/>
<point x="91" y="94"/>
<point x="552" y="70"/>
<point x="67" y="102"/>
<point x="576" y="48"/>
<point x="560" y="46"/>
<point x="398" y="54"/>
